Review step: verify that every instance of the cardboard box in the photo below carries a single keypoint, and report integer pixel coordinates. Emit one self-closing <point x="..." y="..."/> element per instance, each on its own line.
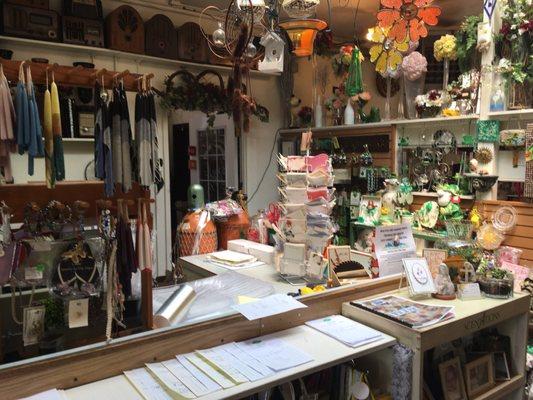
<point x="260" y="251"/>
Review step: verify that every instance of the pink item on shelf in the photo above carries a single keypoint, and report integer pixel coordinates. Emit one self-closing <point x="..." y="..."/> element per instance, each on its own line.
<point x="508" y="254"/>
<point x="520" y="274"/>
<point x="296" y="164"/>
<point x="320" y="161"/>
<point x="317" y="193"/>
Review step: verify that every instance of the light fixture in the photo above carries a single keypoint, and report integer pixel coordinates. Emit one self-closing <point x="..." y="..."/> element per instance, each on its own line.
<point x="302" y="34"/>
<point x="219" y="36"/>
<point x="300" y="8"/>
<point x="258" y="7"/>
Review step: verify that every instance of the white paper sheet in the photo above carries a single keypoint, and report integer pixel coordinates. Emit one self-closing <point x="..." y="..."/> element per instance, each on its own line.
<point x="147" y="385"/>
<point x="207" y="369"/>
<point x="188" y="379"/>
<point x="210" y="384"/>
<point x="52" y="394"/>
<point x="169" y="381"/>
<point x="267" y="306"/>
<point x="244" y="357"/>
<point x="345" y="330"/>
<point x="393" y="244"/>
<point x="275" y="353"/>
<point x="232" y="366"/>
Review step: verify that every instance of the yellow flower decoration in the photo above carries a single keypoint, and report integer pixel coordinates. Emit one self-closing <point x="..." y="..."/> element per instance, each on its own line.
<point x="387" y="53"/>
<point x="445" y="47"/>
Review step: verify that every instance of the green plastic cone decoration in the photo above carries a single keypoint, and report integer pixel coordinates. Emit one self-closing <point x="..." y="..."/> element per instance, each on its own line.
<point x="354" y="82"/>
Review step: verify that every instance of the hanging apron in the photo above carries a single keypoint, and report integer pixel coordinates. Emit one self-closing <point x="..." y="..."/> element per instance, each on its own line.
<point x="59" y="158"/>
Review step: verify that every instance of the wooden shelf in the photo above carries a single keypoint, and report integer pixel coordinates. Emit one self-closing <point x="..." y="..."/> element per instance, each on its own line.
<point x="103" y="52"/>
<point x="503" y="115"/>
<point x="433" y="194"/>
<point x="502" y="389"/>
<point x="423" y="121"/>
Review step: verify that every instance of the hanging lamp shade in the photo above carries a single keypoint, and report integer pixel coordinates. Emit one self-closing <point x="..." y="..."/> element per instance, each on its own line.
<point x="302" y="34"/>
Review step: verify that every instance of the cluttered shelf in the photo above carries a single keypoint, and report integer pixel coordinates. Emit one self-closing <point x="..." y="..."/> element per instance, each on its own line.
<point x="503" y="388"/>
<point x="104" y="52"/>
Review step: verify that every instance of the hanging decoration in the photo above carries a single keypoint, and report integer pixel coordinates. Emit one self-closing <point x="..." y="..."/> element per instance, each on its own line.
<point x="354" y="81"/>
<point x="274" y="53"/>
<point x="407" y="19"/>
<point x="303" y="34"/>
<point x="386" y="53"/>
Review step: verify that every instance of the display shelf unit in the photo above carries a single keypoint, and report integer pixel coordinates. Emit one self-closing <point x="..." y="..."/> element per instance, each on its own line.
<point x="103" y="52"/>
<point x="526" y="113"/>
<point x="326" y="352"/>
<point x="509" y="316"/>
<point x="423" y="121"/>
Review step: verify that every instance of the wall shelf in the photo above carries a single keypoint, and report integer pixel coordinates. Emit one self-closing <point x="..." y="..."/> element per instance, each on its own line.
<point x="503" y="115"/>
<point x="423" y="121"/>
<point x="103" y="52"/>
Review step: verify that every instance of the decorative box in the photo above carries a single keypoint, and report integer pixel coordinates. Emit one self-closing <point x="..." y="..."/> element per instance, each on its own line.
<point x="488" y="131"/>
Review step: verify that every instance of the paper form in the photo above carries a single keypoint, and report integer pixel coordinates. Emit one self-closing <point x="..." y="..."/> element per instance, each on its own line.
<point x="146" y="385"/>
<point x="211" y="372"/>
<point x="275" y="353"/>
<point x="238" y="371"/>
<point x="52" y="394"/>
<point x="345" y="330"/>
<point x="270" y="305"/>
<point x="188" y="379"/>
<point x="210" y="384"/>
<point x="244" y="357"/>
<point x="169" y="381"/>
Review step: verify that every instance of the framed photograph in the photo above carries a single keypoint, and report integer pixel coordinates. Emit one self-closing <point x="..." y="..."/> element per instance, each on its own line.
<point x="479" y="375"/>
<point x="501" y="368"/>
<point x="418" y="276"/>
<point x="434" y="257"/>
<point x="369" y="210"/>
<point x="451" y="380"/>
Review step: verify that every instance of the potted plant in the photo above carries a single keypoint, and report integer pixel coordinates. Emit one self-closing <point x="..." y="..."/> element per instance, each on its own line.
<point x="429" y="105"/>
<point x="495" y="282"/>
<point x="466" y="41"/>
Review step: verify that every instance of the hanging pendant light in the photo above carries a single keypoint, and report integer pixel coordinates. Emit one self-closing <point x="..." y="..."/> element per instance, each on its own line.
<point x="302" y="34"/>
<point x="219" y="36"/>
<point x="300" y="8"/>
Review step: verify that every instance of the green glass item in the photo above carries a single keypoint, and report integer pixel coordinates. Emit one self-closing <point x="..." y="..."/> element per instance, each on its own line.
<point x="195" y="197"/>
<point x="354" y="82"/>
<point x="468" y="140"/>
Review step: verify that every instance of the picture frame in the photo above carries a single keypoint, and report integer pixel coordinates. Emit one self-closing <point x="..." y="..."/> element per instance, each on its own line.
<point x="501" y="367"/>
<point x="369" y="210"/>
<point x="479" y="375"/>
<point x="434" y="257"/>
<point x="451" y="379"/>
<point x="418" y="276"/>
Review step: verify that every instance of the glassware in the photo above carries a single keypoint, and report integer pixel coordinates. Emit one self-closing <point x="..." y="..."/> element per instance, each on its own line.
<point x="446" y="74"/>
<point x="413" y="89"/>
<point x="497" y="95"/>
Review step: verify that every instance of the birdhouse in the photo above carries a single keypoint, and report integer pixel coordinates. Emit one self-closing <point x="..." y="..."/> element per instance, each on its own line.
<point x="274" y="53"/>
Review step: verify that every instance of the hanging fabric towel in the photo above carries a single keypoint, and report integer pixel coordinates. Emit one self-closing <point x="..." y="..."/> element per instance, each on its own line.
<point x="59" y="159"/>
<point x="116" y="136"/>
<point x="126" y="138"/>
<point x="528" y="186"/>
<point x="7" y="130"/>
<point x="48" y="140"/>
<point x="103" y="156"/>
<point x="36" y="147"/>
<point x="157" y="163"/>
<point x="143" y="140"/>
<point x="23" y="113"/>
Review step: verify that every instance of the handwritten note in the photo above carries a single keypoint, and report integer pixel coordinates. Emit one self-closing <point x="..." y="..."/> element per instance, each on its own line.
<point x="146" y="384"/>
<point x="267" y="306"/>
<point x="232" y="366"/>
<point x="219" y="377"/>
<point x="275" y="353"/>
<point x="170" y="381"/>
<point x="210" y="384"/>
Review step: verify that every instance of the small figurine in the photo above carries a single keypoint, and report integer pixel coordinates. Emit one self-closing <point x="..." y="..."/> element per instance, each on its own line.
<point x="473" y="165"/>
<point x="468" y="273"/>
<point x="389" y="199"/>
<point x="364" y="241"/>
<point x="444" y="285"/>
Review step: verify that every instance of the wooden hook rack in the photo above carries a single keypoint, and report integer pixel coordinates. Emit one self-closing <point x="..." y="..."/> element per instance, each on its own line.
<point x="70" y="76"/>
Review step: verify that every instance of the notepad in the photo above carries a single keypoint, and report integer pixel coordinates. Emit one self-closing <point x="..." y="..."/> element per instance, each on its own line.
<point x="147" y="385"/>
<point x="209" y="383"/>
<point x="220" y="378"/>
<point x="188" y="379"/>
<point x="345" y="330"/>
<point x="237" y="371"/>
<point x="244" y="357"/>
<point x="275" y="353"/>
<point x="267" y="306"/>
<point x="169" y="381"/>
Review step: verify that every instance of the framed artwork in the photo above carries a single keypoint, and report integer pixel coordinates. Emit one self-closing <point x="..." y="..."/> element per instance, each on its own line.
<point x="501" y="368"/>
<point x="451" y="379"/>
<point x="434" y="257"/>
<point x="418" y="276"/>
<point x="479" y="375"/>
<point x="369" y="210"/>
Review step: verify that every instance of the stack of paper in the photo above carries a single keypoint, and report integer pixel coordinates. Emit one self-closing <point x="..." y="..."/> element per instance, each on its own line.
<point x="345" y="330"/>
<point x="232" y="259"/>
<point x="52" y="394"/>
<point x="267" y="306"/>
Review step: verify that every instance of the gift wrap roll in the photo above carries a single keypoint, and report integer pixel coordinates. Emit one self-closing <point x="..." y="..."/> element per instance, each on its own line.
<point x="175" y="307"/>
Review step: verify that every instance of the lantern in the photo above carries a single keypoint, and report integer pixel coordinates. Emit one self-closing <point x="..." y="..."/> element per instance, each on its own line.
<point x="302" y="34"/>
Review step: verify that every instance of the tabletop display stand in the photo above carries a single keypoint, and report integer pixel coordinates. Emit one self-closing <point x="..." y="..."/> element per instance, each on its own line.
<point x="509" y="316"/>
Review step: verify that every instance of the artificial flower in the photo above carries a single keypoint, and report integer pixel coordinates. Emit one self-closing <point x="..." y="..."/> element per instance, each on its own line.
<point x="407" y="19"/>
<point x="387" y="53"/>
<point x="414" y="65"/>
<point x="445" y="48"/>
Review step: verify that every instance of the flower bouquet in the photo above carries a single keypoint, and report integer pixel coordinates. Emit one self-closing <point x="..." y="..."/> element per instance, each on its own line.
<point x="495" y="282"/>
<point x="429" y="105"/>
<point x="342" y="60"/>
<point x="335" y="104"/>
<point x="414" y="68"/>
<point x="305" y="115"/>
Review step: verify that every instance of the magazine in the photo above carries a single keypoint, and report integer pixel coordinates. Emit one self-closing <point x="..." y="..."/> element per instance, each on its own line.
<point x="406" y="312"/>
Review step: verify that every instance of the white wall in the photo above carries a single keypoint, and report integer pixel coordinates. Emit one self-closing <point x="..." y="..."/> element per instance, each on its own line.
<point x="256" y="146"/>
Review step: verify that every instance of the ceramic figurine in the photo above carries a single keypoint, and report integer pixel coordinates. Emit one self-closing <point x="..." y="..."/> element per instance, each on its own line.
<point x="468" y="273"/>
<point x="364" y="241"/>
<point x="389" y="199"/>
<point x="448" y="202"/>
<point x="473" y="165"/>
<point x="444" y="285"/>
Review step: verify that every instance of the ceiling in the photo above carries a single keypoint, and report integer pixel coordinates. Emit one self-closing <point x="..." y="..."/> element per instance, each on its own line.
<point x="343" y="12"/>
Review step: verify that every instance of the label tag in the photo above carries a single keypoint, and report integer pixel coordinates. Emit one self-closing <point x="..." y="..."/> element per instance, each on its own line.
<point x="78" y="313"/>
<point x="468" y="291"/>
<point x="32" y="325"/>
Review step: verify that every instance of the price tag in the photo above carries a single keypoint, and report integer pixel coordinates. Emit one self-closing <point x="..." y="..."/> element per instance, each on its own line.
<point x="468" y="291"/>
<point x="78" y="313"/>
